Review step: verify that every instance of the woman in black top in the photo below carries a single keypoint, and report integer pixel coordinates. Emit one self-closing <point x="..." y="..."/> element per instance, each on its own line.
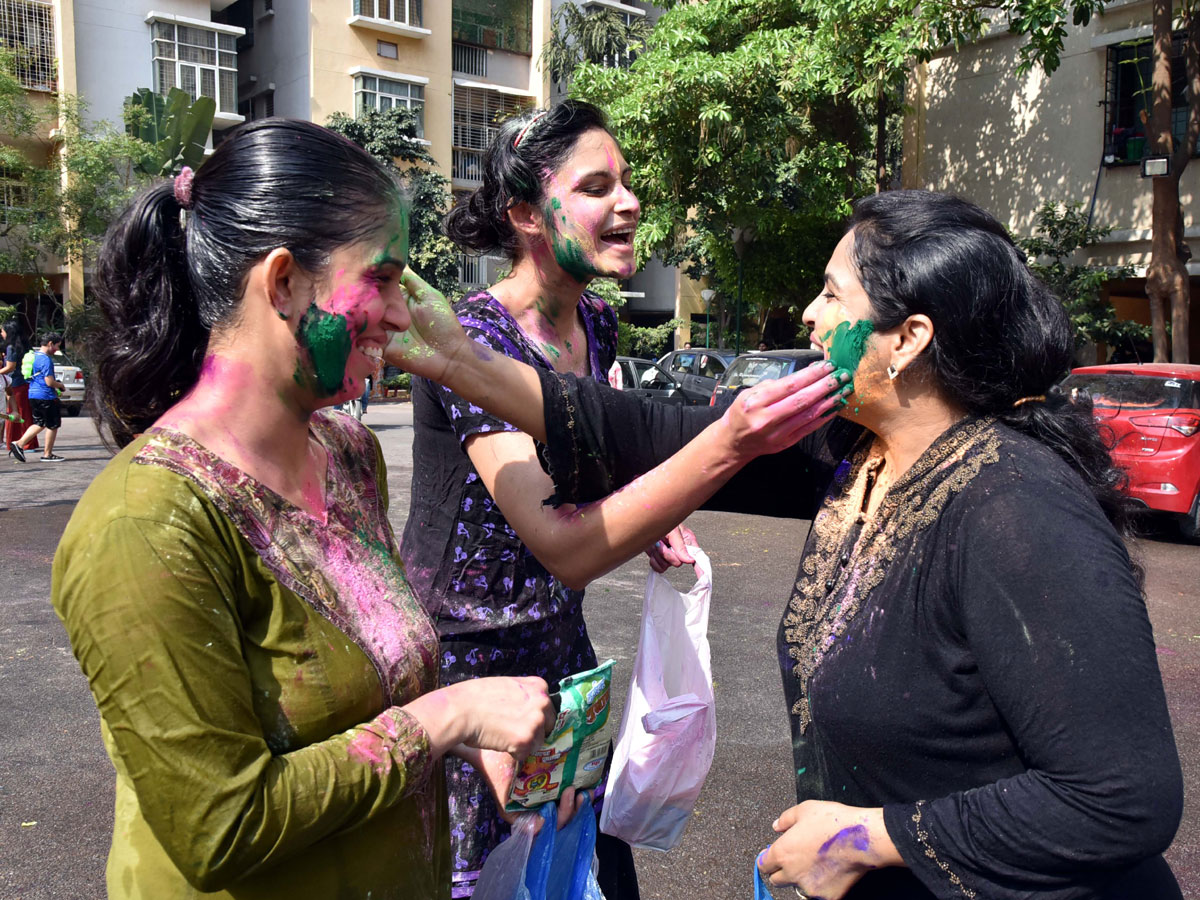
<point x="971" y="678"/>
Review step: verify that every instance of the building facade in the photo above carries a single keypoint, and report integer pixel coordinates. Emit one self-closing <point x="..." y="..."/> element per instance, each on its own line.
<point x="1011" y="143"/>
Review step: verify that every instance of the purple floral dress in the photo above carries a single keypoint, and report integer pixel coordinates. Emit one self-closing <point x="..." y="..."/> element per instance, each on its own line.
<point x="497" y="610"/>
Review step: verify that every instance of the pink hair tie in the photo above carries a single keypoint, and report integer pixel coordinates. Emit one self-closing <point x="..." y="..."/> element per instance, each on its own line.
<point x="525" y="130"/>
<point x="183" y="187"/>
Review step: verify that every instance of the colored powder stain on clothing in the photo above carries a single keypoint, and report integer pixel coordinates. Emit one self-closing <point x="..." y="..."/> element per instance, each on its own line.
<point x="847" y="343"/>
<point x="327" y="339"/>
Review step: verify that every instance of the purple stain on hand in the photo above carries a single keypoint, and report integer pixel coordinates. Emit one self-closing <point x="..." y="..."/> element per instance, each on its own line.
<point x="856" y="835"/>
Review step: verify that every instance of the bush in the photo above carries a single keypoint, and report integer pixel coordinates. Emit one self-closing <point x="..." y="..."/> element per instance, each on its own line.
<point x="401" y="382"/>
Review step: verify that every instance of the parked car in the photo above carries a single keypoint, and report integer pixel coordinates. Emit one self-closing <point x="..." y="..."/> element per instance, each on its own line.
<point x="646" y="378"/>
<point x="697" y="370"/>
<point x="1153" y="410"/>
<point x="72" y="376"/>
<point x="761" y="365"/>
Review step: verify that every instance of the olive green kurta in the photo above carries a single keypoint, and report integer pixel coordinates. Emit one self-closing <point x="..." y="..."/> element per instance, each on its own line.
<point x="259" y="748"/>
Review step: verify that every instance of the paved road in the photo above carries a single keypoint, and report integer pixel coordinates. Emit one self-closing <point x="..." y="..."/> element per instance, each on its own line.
<point x="56" y="783"/>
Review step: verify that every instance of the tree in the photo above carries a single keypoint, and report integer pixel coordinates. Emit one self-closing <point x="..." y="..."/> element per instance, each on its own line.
<point x="391" y="137"/>
<point x="174" y="128"/>
<point x="1166" y="277"/>
<point x="61" y="192"/>
<point x="1060" y="233"/>
<point x="599" y="36"/>
<point x="728" y="124"/>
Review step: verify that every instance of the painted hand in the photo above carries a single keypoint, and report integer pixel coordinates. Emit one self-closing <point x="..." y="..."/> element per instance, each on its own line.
<point x="672" y="551"/>
<point x="434" y="340"/>
<point x="773" y="415"/>
<point x="827" y="847"/>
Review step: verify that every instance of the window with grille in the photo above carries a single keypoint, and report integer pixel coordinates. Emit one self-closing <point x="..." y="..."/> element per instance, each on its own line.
<point x="372" y="92"/>
<point x="27" y="29"/>
<point x="1130" y="67"/>
<point x="200" y="61"/>
<point x="478" y="114"/>
<point x="404" y="12"/>
<point x="14" y="199"/>
<point x="502" y="24"/>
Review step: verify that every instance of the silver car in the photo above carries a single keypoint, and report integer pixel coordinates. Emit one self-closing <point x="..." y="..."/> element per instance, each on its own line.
<point x="72" y="376"/>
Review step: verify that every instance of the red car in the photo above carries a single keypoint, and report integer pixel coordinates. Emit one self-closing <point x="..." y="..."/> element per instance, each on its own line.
<point x="1153" y="410"/>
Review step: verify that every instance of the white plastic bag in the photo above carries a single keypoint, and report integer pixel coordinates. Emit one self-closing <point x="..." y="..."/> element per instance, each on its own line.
<point x="669" y="730"/>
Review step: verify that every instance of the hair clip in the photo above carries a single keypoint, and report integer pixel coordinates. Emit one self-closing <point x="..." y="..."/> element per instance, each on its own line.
<point x="1036" y="398"/>
<point x="524" y="131"/>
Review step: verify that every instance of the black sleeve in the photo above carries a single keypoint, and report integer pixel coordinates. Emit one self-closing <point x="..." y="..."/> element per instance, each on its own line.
<point x="600" y="439"/>
<point x="1058" y="629"/>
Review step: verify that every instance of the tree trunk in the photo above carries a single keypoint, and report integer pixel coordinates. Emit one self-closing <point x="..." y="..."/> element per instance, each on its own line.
<point x="1181" y="308"/>
<point x="881" y="178"/>
<point x="1166" y="277"/>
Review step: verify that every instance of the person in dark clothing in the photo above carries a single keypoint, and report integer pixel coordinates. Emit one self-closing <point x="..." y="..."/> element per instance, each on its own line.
<point x="959" y="727"/>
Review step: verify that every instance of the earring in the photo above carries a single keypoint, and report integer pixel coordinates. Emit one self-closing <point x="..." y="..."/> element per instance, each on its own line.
<point x="282" y="314"/>
<point x="892" y="372"/>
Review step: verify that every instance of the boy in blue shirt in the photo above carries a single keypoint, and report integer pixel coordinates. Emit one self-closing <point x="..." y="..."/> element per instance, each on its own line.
<point x="43" y="399"/>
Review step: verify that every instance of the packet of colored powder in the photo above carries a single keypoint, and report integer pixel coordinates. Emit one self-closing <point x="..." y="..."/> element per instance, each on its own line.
<point x="574" y="752"/>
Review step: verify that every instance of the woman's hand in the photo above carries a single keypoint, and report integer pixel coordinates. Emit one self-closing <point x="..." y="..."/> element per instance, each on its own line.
<point x="512" y="715"/>
<point x="435" y="340"/>
<point x="672" y="550"/>
<point x="773" y="415"/>
<point x="826" y="847"/>
<point x="499" y="769"/>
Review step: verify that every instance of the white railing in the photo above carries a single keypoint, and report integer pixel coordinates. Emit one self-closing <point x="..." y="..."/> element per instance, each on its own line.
<point x="469" y="60"/>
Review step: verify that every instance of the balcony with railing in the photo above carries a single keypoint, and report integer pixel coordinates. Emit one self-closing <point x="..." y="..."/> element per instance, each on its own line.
<point x="469" y="59"/>
<point x="496" y="24"/>
<point x="402" y="17"/>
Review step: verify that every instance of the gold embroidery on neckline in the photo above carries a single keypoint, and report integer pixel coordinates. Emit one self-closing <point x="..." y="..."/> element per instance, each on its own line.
<point x="818" y="616"/>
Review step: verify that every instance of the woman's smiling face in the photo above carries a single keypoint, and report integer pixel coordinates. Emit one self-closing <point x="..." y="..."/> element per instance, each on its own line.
<point x="589" y="213"/>
<point x="345" y="328"/>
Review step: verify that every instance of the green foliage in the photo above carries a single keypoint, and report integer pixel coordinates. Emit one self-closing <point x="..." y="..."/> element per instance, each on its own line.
<point x="728" y="123"/>
<point x="401" y="382"/>
<point x="645" y="341"/>
<point x="391" y="137"/>
<point x="581" y="35"/>
<point x="174" y="128"/>
<point x="1060" y="233"/>
<point x="64" y="191"/>
<point x="608" y="290"/>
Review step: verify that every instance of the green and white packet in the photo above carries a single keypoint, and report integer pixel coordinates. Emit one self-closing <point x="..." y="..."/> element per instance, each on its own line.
<point x="574" y="752"/>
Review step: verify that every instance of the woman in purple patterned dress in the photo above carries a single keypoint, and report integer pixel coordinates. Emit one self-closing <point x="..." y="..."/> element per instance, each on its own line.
<point x="501" y="574"/>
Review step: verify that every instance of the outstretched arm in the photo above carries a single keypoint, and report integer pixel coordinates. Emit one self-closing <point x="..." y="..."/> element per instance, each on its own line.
<point x="579" y="544"/>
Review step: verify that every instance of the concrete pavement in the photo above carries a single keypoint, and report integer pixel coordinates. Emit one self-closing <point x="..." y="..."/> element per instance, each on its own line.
<point x="56" y="783"/>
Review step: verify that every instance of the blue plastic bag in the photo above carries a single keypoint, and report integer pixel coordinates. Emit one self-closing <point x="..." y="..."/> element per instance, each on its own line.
<point x="761" y="890"/>
<point x="553" y="865"/>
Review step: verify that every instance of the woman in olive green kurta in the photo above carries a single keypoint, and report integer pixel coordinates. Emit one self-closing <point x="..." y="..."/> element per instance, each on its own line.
<point x="230" y="584"/>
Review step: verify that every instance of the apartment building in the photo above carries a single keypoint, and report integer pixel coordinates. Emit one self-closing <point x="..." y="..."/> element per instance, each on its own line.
<point x="1011" y="143"/>
<point x="41" y="33"/>
<point x="462" y="66"/>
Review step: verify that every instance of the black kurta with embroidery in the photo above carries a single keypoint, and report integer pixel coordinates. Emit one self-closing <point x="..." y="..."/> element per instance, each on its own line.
<point x="975" y="658"/>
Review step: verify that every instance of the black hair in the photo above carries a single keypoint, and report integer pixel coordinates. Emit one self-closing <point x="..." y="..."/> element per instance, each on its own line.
<point x="164" y="283"/>
<point x="1000" y="335"/>
<point x="16" y="337"/>
<point x="50" y="337"/>
<point x="514" y="166"/>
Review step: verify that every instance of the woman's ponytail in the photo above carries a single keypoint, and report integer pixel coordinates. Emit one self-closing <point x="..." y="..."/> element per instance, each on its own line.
<point x="151" y="346"/>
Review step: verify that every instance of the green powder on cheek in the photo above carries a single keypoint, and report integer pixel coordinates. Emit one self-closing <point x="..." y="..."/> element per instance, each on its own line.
<point x="326" y="337"/>
<point x="847" y="343"/>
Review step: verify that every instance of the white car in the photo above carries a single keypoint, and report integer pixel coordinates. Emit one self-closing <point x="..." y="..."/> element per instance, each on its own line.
<point x="72" y="376"/>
